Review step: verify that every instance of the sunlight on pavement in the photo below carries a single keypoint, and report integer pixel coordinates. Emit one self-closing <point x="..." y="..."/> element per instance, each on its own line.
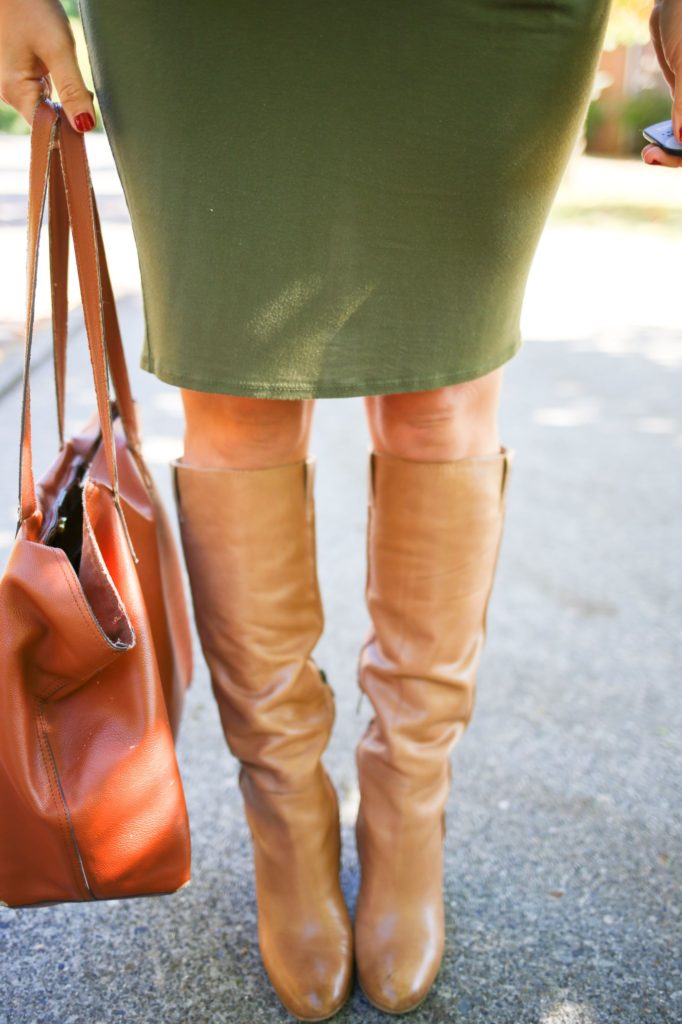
<point x="606" y="271"/>
<point x="349" y="803"/>
<point x="567" y="416"/>
<point x="569" y="1013"/>
<point x="657" y="425"/>
<point x="605" y="286"/>
<point x="169" y="401"/>
<point x="158" y="449"/>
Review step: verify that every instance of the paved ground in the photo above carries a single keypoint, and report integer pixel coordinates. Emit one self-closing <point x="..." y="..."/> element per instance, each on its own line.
<point x="564" y="871"/>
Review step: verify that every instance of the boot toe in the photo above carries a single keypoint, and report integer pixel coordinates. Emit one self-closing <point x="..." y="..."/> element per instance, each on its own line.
<point x="397" y="984"/>
<point x="397" y="969"/>
<point x="312" y="987"/>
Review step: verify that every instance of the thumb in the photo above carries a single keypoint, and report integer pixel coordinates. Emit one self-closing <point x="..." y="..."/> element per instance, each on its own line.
<point x="677" y="105"/>
<point x="668" y="25"/>
<point x="675" y="63"/>
<point x="74" y="96"/>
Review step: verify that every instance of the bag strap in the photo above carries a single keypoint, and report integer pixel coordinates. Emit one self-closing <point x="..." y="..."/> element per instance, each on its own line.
<point x="59" y="257"/>
<point x="59" y="271"/>
<point x="52" y="138"/>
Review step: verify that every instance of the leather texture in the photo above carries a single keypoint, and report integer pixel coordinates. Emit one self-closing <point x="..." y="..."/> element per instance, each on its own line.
<point x="91" y="800"/>
<point x="433" y="537"/>
<point x="250" y="548"/>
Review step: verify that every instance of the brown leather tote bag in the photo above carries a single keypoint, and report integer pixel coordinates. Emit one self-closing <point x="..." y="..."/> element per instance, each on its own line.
<point x="95" y="650"/>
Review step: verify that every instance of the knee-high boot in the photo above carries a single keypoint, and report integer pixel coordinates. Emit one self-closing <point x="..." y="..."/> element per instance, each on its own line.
<point x="248" y="537"/>
<point x="434" y="532"/>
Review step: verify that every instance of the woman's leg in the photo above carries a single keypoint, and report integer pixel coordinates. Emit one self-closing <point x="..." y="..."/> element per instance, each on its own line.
<point x="438" y="477"/>
<point x="244" y="492"/>
<point x="446" y="423"/>
<point x="239" y="432"/>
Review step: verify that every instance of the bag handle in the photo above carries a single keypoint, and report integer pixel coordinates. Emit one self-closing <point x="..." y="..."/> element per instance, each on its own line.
<point x="59" y="263"/>
<point x="52" y="134"/>
<point x="59" y="271"/>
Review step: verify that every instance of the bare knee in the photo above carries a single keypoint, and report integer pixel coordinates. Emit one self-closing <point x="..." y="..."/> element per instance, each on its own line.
<point x="242" y="431"/>
<point x="444" y="423"/>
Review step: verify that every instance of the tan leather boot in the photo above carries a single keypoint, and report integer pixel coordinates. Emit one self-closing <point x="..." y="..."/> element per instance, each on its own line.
<point x="249" y="542"/>
<point x="434" y="532"/>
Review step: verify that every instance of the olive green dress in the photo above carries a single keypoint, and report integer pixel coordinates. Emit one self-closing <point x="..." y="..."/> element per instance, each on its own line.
<point x="338" y="197"/>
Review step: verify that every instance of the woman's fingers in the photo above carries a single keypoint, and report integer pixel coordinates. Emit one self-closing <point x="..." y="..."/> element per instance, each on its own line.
<point x="37" y="53"/>
<point x="75" y="97"/>
<point x="653" y="154"/>
<point x="665" y="25"/>
<point x="23" y="77"/>
<point x="22" y="92"/>
<point x="655" y="33"/>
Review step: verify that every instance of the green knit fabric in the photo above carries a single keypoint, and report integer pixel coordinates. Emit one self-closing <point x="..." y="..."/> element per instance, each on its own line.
<point x="338" y="198"/>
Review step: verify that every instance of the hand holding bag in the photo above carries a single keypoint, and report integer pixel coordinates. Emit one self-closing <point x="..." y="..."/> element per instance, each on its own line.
<point x="91" y="801"/>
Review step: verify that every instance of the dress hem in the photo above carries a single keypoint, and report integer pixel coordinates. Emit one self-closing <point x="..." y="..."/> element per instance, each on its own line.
<point x="318" y="389"/>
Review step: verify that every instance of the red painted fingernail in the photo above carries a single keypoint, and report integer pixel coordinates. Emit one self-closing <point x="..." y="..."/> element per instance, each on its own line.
<point x="84" y="122"/>
<point x="681" y="133"/>
<point x="656" y="162"/>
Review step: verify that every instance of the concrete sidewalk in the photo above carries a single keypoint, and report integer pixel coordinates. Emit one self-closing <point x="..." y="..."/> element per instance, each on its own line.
<point x="564" y="870"/>
<point x="563" y="846"/>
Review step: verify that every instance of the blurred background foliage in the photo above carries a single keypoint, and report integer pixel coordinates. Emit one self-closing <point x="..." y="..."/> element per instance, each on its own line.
<point x="629" y="93"/>
<point x="629" y="22"/>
